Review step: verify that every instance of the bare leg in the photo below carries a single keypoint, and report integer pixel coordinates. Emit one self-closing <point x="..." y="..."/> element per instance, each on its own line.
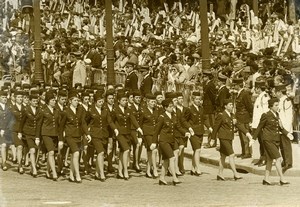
<point x="176" y="153"/>
<point x="51" y="163"/>
<point x="172" y="168"/>
<point x="197" y="160"/>
<point x="154" y="157"/>
<point x="163" y="170"/>
<point x="100" y="159"/>
<point x="221" y="165"/>
<point x="32" y="160"/>
<point x="125" y="161"/>
<point x="279" y="169"/>
<point x="268" y="169"/>
<point x="232" y="165"/>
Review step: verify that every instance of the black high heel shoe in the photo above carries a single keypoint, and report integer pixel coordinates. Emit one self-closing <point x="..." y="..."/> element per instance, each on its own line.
<point x="20" y="170"/>
<point x="176" y="182"/>
<point x="284" y="183"/>
<point x="119" y="176"/>
<point x="55" y="179"/>
<point x="78" y="181"/>
<point x="126" y="178"/>
<point x="137" y="169"/>
<point x="162" y="182"/>
<point x="237" y="178"/>
<point x="148" y="176"/>
<point x="266" y="182"/>
<point x="102" y="179"/>
<point x="33" y="174"/>
<point x="220" y="178"/>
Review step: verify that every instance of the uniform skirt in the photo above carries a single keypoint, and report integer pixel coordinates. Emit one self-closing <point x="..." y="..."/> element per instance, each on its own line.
<point x="196" y="141"/>
<point x="226" y="147"/>
<point x="50" y="142"/>
<point x="167" y="149"/>
<point x="124" y="141"/>
<point x="74" y="143"/>
<point x="100" y="144"/>
<point x="31" y="141"/>
<point x="17" y="141"/>
<point x="272" y="149"/>
<point x="148" y="141"/>
<point x="7" y="138"/>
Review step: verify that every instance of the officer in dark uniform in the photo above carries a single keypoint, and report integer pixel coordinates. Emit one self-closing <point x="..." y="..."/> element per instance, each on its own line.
<point x="17" y="111"/>
<point x="48" y="125"/>
<point x="147" y="82"/>
<point x="131" y="82"/>
<point x="99" y="121"/>
<point x="5" y="132"/>
<point x="124" y="119"/>
<point x="73" y="127"/>
<point x="222" y="93"/>
<point x="244" y="110"/>
<point x="197" y="119"/>
<point x="271" y="128"/>
<point x="29" y="127"/>
<point x="209" y="98"/>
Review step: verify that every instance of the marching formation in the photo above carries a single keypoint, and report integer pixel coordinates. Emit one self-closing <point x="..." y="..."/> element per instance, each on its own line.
<point x="65" y="125"/>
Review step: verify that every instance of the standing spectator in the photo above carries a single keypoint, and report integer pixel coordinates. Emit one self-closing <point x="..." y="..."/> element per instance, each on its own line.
<point x="131" y="82"/>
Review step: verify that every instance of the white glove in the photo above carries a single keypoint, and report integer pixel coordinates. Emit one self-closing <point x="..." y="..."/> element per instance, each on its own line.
<point x="64" y="133"/>
<point x="116" y="132"/>
<point x="191" y="131"/>
<point x="251" y="142"/>
<point x="20" y="135"/>
<point x="60" y="144"/>
<point x="187" y="134"/>
<point x="37" y="141"/>
<point x="249" y="135"/>
<point x="210" y="130"/>
<point x="140" y="130"/>
<point x="89" y="138"/>
<point x="290" y="136"/>
<point x="234" y="121"/>
<point x="140" y="140"/>
<point x="1" y="132"/>
<point x="152" y="146"/>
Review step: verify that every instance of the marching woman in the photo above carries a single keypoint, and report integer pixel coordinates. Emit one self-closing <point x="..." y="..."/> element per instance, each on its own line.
<point x="165" y="128"/>
<point x="224" y="127"/>
<point x="5" y="132"/>
<point x="29" y="127"/>
<point x="73" y="126"/>
<point x="99" y="121"/>
<point x="196" y="119"/>
<point x="17" y="111"/>
<point x="49" y="132"/>
<point x="149" y="118"/>
<point x="271" y="127"/>
<point x="123" y="120"/>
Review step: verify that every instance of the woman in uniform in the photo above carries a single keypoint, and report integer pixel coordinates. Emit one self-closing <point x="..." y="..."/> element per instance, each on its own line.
<point x="29" y="127"/>
<point x="123" y="120"/>
<point x="224" y="127"/>
<point x="73" y="126"/>
<point x="49" y="132"/>
<point x="149" y="117"/>
<point x="270" y="125"/>
<point x="99" y="121"/>
<point x="17" y="111"/>
<point x="167" y="122"/>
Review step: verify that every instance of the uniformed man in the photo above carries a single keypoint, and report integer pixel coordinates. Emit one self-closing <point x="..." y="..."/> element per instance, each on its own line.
<point x="147" y="82"/>
<point x="131" y="82"/>
<point x="222" y="93"/>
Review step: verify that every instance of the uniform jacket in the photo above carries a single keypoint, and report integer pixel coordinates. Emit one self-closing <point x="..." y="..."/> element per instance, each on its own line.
<point x="244" y="107"/>
<point x="29" y="123"/>
<point x="111" y="113"/>
<point x="209" y="97"/>
<point x="165" y="129"/>
<point x="72" y="124"/>
<point x="49" y="122"/>
<point x="146" y="85"/>
<point x="148" y="121"/>
<point x="17" y="116"/>
<point x="269" y="125"/>
<point x="222" y="94"/>
<point x="224" y="126"/>
<point x="124" y="120"/>
<point x="136" y="112"/>
<point x="5" y="119"/>
<point x="99" y="124"/>
<point x="181" y="119"/>
<point x="197" y="120"/>
<point x="131" y="82"/>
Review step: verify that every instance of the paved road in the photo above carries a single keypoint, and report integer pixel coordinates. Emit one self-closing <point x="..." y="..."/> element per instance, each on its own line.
<point x="23" y="190"/>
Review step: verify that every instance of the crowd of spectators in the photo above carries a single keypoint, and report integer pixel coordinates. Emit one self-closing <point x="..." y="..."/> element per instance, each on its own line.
<point x="165" y="38"/>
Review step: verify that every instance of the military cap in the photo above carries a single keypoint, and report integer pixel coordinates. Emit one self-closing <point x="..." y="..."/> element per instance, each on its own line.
<point x="150" y="96"/>
<point x="3" y="93"/>
<point x="170" y="95"/>
<point x="18" y="92"/>
<point x="49" y="95"/>
<point x="99" y="95"/>
<point x="196" y="93"/>
<point x="34" y="92"/>
<point x="260" y="83"/>
<point x="158" y="93"/>
<point x="280" y="87"/>
<point x="272" y="101"/>
<point x="179" y="94"/>
<point x="227" y="101"/>
<point x="166" y="102"/>
<point x="237" y="80"/>
<point x="85" y="94"/>
<point x="122" y="95"/>
<point x="73" y="94"/>
<point x="62" y="93"/>
<point x="136" y="93"/>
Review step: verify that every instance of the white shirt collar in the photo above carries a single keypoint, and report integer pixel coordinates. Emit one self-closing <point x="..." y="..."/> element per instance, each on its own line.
<point x="2" y="105"/>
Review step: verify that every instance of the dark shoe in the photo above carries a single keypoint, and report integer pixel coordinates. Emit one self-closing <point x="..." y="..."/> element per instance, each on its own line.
<point x="176" y="182"/>
<point x="111" y="170"/>
<point x="177" y="174"/>
<point x="208" y="146"/>
<point x="263" y="163"/>
<point x="55" y="179"/>
<point x="162" y="182"/>
<point x="169" y="174"/>
<point x="182" y="172"/>
<point x="119" y="176"/>
<point x="71" y="180"/>
<point x="102" y="179"/>
<point x="240" y="155"/>
<point x="266" y="182"/>
<point x="126" y="178"/>
<point x="284" y="183"/>
<point x="138" y="170"/>
<point x="237" y="178"/>
<point x="48" y="176"/>
<point x="258" y="163"/>
<point x="33" y="174"/>
<point x="20" y="170"/>
<point x="220" y="178"/>
<point x="246" y="156"/>
<point x="148" y="176"/>
<point x="78" y="181"/>
<point x="4" y="167"/>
